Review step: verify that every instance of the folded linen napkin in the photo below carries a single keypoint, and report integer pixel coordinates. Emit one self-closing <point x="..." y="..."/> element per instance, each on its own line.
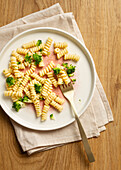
<point x="98" y="112"/>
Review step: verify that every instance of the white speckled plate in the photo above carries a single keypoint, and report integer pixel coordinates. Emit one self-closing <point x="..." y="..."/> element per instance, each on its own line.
<point x="84" y="87"/>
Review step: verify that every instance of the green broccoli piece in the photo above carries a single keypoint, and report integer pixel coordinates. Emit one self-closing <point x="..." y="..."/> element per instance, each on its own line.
<point x="39" y="42"/>
<point x="70" y="69"/>
<point x="28" y="58"/>
<point x="41" y="98"/>
<point x="37" y="58"/>
<point x="73" y="80"/>
<point x="56" y="70"/>
<point x="70" y="75"/>
<point x="18" y="105"/>
<point x="18" y="63"/>
<point x="40" y="50"/>
<point x="10" y="81"/>
<point x="65" y="65"/>
<point x="24" y="98"/>
<point x="52" y="117"/>
<point x="37" y="88"/>
<point x="79" y="100"/>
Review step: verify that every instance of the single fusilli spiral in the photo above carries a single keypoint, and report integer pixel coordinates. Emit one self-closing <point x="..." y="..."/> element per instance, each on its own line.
<point x="47" y="46"/>
<point x="65" y="77"/>
<point x="60" y="44"/>
<point x="35" y="49"/>
<point x="29" y="44"/>
<point x="44" y="112"/>
<point x="56" y="106"/>
<point x="32" y="92"/>
<point x="71" y="57"/>
<point x="56" y="50"/>
<point x="37" y="107"/>
<point x="22" y="51"/>
<point x="45" y="89"/>
<point x="59" y="100"/>
<point x="47" y="69"/>
<point x="49" y="90"/>
<point x="52" y="79"/>
<point x="14" y="66"/>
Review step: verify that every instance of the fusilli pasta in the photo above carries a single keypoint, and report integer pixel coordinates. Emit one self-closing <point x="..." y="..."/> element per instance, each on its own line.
<point x="60" y="44"/>
<point x="45" y="89"/>
<point x="52" y="79"/>
<point x="71" y="57"/>
<point x="47" y="69"/>
<point x="44" y="112"/>
<point x="47" y="46"/>
<point x="37" y="107"/>
<point x="62" y="53"/>
<point x="30" y="44"/>
<point x="65" y="77"/>
<point x="22" y="51"/>
<point x="35" y="49"/>
<point x="56" y="106"/>
<point x="7" y="72"/>
<point x="18" y="56"/>
<point x="56" y="50"/>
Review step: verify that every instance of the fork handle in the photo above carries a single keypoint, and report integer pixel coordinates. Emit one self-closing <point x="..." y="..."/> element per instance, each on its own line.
<point x="84" y="138"/>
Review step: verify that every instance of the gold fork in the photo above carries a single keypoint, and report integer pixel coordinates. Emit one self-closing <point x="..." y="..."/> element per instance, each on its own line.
<point x="68" y="92"/>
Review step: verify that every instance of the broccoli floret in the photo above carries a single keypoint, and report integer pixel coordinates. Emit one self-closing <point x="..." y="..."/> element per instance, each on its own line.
<point x="73" y="80"/>
<point x="37" y="88"/>
<point x="37" y="58"/>
<point x="70" y="69"/>
<point x="40" y="50"/>
<point x="25" y="99"/>
<point x="18" y="105"/>
<point x="56" y="70"/>
<point x="52" y="117"/>
<point x="28" y="58"/>
<point x="41" y="98"/>
<point x="39" y="42"/>
<point x="10" y="81"/>
<point x="18" y="63"/>
<point x="70" y="75"/>
<point x="65" y="65"/>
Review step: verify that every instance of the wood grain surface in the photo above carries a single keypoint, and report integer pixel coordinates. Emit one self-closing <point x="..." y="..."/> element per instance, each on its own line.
<point x="100" y="24"/>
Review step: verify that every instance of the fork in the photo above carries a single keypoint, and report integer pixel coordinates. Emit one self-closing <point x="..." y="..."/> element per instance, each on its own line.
<point x="68" y="92"/>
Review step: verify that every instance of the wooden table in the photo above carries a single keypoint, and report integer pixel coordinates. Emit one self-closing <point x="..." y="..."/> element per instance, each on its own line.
<point x="100" y="24"/>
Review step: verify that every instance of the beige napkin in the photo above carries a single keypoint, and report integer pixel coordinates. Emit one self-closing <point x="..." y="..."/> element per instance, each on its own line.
<point x="97" y="114"/>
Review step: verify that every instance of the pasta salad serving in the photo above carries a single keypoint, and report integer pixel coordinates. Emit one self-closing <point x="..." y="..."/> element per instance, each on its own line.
<point x="30" y="80"/>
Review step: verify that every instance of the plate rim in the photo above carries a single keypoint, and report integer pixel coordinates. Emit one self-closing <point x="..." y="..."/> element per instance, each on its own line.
<point x="16" y="119"/>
